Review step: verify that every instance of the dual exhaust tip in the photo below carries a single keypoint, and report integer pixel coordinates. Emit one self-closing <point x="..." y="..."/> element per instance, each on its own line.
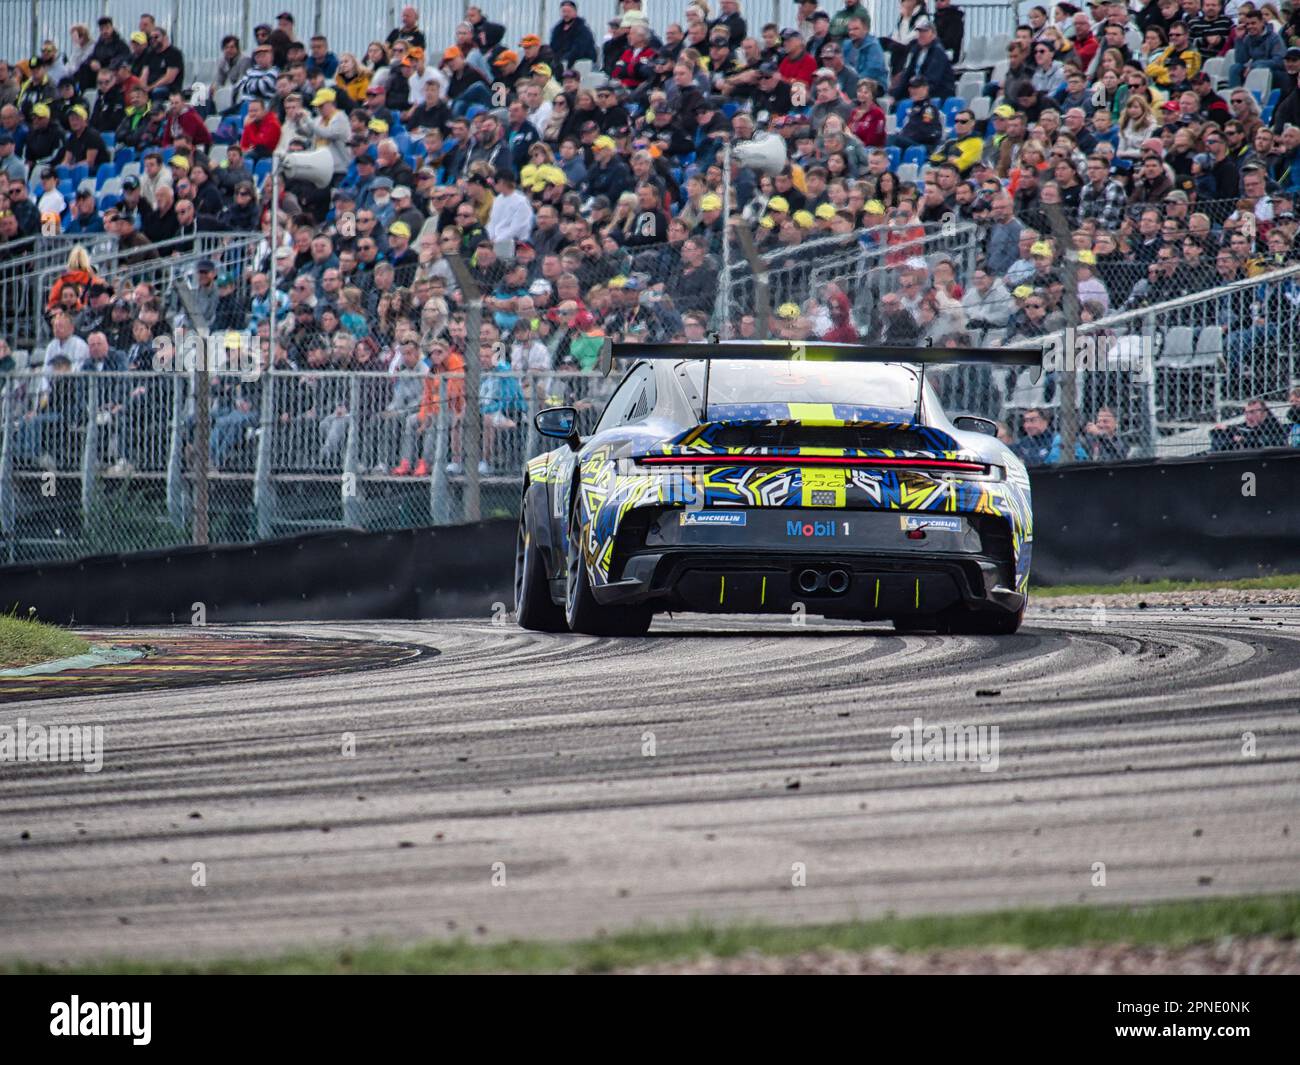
<point x="836" y="581"/>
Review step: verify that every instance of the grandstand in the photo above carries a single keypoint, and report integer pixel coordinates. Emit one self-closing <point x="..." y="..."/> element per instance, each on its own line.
<point x="946" y="173"/>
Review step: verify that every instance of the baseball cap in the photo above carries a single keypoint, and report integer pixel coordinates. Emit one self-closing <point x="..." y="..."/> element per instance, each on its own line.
<point x="77" y="109"/>
<point x="1003" y="111"/>
<point x="400" y="229"/>
<point x="779" y="203"/>
<point x="131" y="182"/>
<point x="918" y="82"/>
<point x="382" y="182"/>
<point x="540" y="287"/>
<point x="803" y="219"/>
<point x="530" y="40"/>
<point x="206" y="266"/>
<point x="377" y="125"/>
<point x="788" y="311"/>
<point x="1040" y="247"/>
<point x="1087" y="258"/>
<point x="450" y="53"/>
<point x="505" y="58"/>
<point x="710" y="201"/>
<point x="542" y="68"/>
<point x="41" y="110"/>
<point x="1292" y="53"/>
<point x="789" y="32"/>
<point x="323" y="96"/>
<point x="825" y="211"/>
<point x="603" y="142"/>
<point x="874" y="207"/>
<point x="180" y="161"/>
<point x="6" y="137"/>
<point x="1022" y="292"/>
<point x="138" y="37"/>
<point x="401" y="192"/>
<point x="365" y="158"/>
<point x="923" y="24"/>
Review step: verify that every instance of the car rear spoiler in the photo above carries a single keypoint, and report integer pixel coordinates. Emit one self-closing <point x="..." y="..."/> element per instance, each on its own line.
<point x="780" y="350"/>
<point x="785" y="351"/>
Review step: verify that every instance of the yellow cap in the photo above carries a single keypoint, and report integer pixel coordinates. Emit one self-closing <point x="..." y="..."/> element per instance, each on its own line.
<point x="1023" y="292"/>
<point x="552" y="174"/>
<point x="874" y="207"/>
<point x="778" y="203"/>
<point x="766" y="222"/>
<point x="542" y="68"/>
<point x="804" y="219"/>
<point x="825" y="211"/>
<point x="1087" y="258"/>
<point x="602" y="142"/>
<point x="40" y="110"/>
<point x="1040" y="247"/>
<point x="80" y="111"/>
<point x="138" y="37"/>
<point x="377" y="125"/>
<point x="181" y="161"/>
<point x="323" y="96"/>
<point x="233" y="339"/>
<point x="617" y="282"/>
<point x="710" y="201"/>
<point x="788" y="311"/>
<point x="1003" y="111"/>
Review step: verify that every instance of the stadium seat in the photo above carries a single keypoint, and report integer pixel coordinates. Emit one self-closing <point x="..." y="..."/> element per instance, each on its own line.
<point x="224" y="98"/>
<point x="69" y="190"/>
<point x="970" y="86"/>
<point x="950" y="108"/>
<point x="262" y="170"/>
<point x="403" y="142"/>
<point x="981" y="107"/>
<point x="891" y="123"/>
<point x="79" y="173"/>
<point x="110" y="140"/>
<point x="167" y="154"/>
<point x="124" y="155"/>
<point x="1209" y="342"/>
<point x="111" y="200"/>
<point x="1217" y="70"/>
<point x="104" y="174"/>
<point x="64" y="172"/>
<point x="1274" y="98"/>
<point x="907" y="172"/>
<point x="1259" y="81"/>
<point x="111" y="187"/>
<point x="730" y="108"/>
<point x="1266" y="115"/>
<point x="1179" y="344"/>
<point x="904" y="106"/>
<point x="582" y="66"/>
<point x="916" y="155"/>
<point x="895" y="157"/>
<point x="217" y="154"/>
<point x="131" y="169"/>
<point x="212" y="122"/>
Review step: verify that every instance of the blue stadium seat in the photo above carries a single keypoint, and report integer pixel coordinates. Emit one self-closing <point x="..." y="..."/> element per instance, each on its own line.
<point x="1266" y="115"/>
<point x="730" y="108"/>
<point x="124" y="155"/>
<point x="263" y="169"/>
<point x="895" y="157"/>
<point x="79" y="173"/>
<point x="403" y="142"/>
<point x="412" y="160"/>
<point x="904" y="106"/>
<point x="69" y="190"/>
<point x="917" y="155"/>
<point x="112" y="199"/>
<point x="1274" y="98"/>
<point x="64" y="172"/>
<point x="167" y="154"/>
<point x="110" y="140"/>
<point x="108" y="170"/>
<point x="950" y="108"/>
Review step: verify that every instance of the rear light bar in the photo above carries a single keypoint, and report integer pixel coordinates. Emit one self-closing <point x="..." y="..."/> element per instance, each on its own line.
<point x="952" y="465"/>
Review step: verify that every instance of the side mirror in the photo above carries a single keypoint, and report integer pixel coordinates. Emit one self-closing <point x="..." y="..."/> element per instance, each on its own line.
<point x="561" y="423"/>
<point x="975" y="424"/>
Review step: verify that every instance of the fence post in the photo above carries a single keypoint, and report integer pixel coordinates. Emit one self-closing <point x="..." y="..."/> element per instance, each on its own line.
<point x="351" y="480"/>
<point x="439" y="496"/>
<point x="202" y="411"/>
<point x="36" y="28"/>
<point x="723" y="308"/>
<point x="7" y="507"/>
<point x="175" y="436"/>
<point x="471" y="425"/>
<point x="263" y="490"/>
<point x="90" y="446"/>
<point x="1068" y="421"/>
<point x="758" y="268"/>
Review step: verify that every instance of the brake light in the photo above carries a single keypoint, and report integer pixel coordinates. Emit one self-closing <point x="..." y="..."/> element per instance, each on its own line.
<point x="883" y="462"/>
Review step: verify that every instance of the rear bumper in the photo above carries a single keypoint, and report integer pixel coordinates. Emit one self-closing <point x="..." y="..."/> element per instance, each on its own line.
<point x="833" y="584"/>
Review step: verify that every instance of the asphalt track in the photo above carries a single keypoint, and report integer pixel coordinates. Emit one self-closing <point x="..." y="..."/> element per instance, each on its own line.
<point x="1121" y="741"/>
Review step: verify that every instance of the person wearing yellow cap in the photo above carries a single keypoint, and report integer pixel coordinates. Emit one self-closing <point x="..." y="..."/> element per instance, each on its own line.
<point x="804" y="219"/>
<point x="1091" y="288"/>
<point x="180" y="162"/>
<point x="1041" y="249"/>
<point x="84" y="143"/>
<point x="710" y="201"/>
<point x="603" y="144"/>
<point x="874" y="207"/>
<point x="378" y="127"/>
<point x="1023" y="292"/>
<point x="778" y="205"/>
<point x="331" y="129"/>
<point x="824" y="212"/>
<point x="404" y="258"/>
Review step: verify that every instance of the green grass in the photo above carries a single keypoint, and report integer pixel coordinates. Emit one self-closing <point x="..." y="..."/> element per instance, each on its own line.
<point x="1170" y="924"/>
<point x="24" y="642"/>
<point x="1281" y="580"/>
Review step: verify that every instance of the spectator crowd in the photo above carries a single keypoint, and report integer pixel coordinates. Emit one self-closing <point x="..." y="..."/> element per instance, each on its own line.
<point x="581" y="177"/>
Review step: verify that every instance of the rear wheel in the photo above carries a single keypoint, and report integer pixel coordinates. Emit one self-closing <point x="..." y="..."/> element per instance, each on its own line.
<point x="581" y="610"/>
<point x="986" y="622"/>
<point x="533" y="606"/>
<point x="916" y="623"/>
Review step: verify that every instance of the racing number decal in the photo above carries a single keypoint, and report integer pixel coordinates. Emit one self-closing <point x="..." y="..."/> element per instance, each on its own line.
<point x="823" y="488"/>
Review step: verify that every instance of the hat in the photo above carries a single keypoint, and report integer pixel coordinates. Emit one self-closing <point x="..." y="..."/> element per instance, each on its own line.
<point x="450" y="53"/>
<point x="585" y="320"/>
<point x="530" y="40"/>
<point x="918" y="82"/>
<point x="874" y="207"/>
<point x="366" y="158"/>
<point x="710" y="201"/>
<point x="1087" y="258"/>
<point x="542" y="68"/>
<point x="1292" y="53"/>
<point x="505" y="58"/>
<point x="401" y="192"/>
<point x="602" y="142"/>
<point x="1040" y="247"/>
<point x="382" y="182"/>
<point x="180" y="161"/>
<point x="570" y="73"/>
<point x="633" y="18"/>
<point x="377" y="125"/>
<point x="766" y="222"/>
<point x="400" y="229"/>
<point x="130" y="182"/>
<point x="540" y="287"/>
<point x="766" y="70"/>
<point x="138" y="37"/>
<point x="77" y="109"/>
<point x="804" y="219"/>
<point x="86" y="192"/>
<point x="1203" y="159"/>
<point x="779" y="203"/>
<point x="788" y="311"/>
<point x="40" y="110"/>
<point x="1003" y="111"/>
<point x="825" y="211"/>
<point x="1169" y="105"/>
<point x="49" y="174"/>
<point x="342" y="193"/>
<point x="206" y="266"/>
<point x="789" y="32"/>
<point x="323" y="96"/>
<point x="1022" y="292"/>
<point x="923" y="24"/>
<point x="617" y="281"/>
<point x="6" y="137"/>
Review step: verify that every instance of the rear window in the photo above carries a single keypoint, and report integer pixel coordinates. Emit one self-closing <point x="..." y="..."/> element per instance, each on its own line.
<point x="870" y="385"/>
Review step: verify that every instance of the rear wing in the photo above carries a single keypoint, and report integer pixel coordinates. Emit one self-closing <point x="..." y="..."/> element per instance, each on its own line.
<point x="781" y="350"/>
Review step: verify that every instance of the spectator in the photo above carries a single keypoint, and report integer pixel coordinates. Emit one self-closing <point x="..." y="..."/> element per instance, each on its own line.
<point x="927" y="60"/>
<point x="571" y="37"/>
<point x="1038" y="444"/>
<point x="1259" y="429"/>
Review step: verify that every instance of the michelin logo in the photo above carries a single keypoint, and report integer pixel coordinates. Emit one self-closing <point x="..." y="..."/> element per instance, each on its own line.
<point x="911" y="524"/>
<point x="713" y="517"/>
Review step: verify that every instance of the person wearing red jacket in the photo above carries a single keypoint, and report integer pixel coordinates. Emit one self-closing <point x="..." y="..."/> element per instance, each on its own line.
<point x="636" y="64"/>
<point x="261" y="131"/>
<point x="796" y="64"/>
<point x="867" y="122"/>
<point x="182" y="120"/>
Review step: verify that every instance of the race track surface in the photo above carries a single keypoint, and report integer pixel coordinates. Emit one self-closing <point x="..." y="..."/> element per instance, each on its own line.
<point x="1121" y="742"/>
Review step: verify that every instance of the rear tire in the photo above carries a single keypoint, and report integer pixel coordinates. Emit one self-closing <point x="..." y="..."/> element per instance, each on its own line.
<point x="581" y="610"/>
<point x="916" y="623"/>
<point x="986" y="622"/>
<point x="534" y="608"/>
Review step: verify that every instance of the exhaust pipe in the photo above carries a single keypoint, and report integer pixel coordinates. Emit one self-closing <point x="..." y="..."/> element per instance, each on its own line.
<point x="809" y="580"/>
<point x="837" y="582"/>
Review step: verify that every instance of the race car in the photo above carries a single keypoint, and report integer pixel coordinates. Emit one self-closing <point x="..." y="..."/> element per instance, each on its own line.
<point x="757" y="477"/>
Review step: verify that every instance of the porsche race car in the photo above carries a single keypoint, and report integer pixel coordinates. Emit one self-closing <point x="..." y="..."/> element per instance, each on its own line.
<point x="771" y="478"/>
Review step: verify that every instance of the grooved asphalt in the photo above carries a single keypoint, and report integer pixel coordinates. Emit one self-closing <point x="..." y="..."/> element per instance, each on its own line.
<point x="1120" y="742"/>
